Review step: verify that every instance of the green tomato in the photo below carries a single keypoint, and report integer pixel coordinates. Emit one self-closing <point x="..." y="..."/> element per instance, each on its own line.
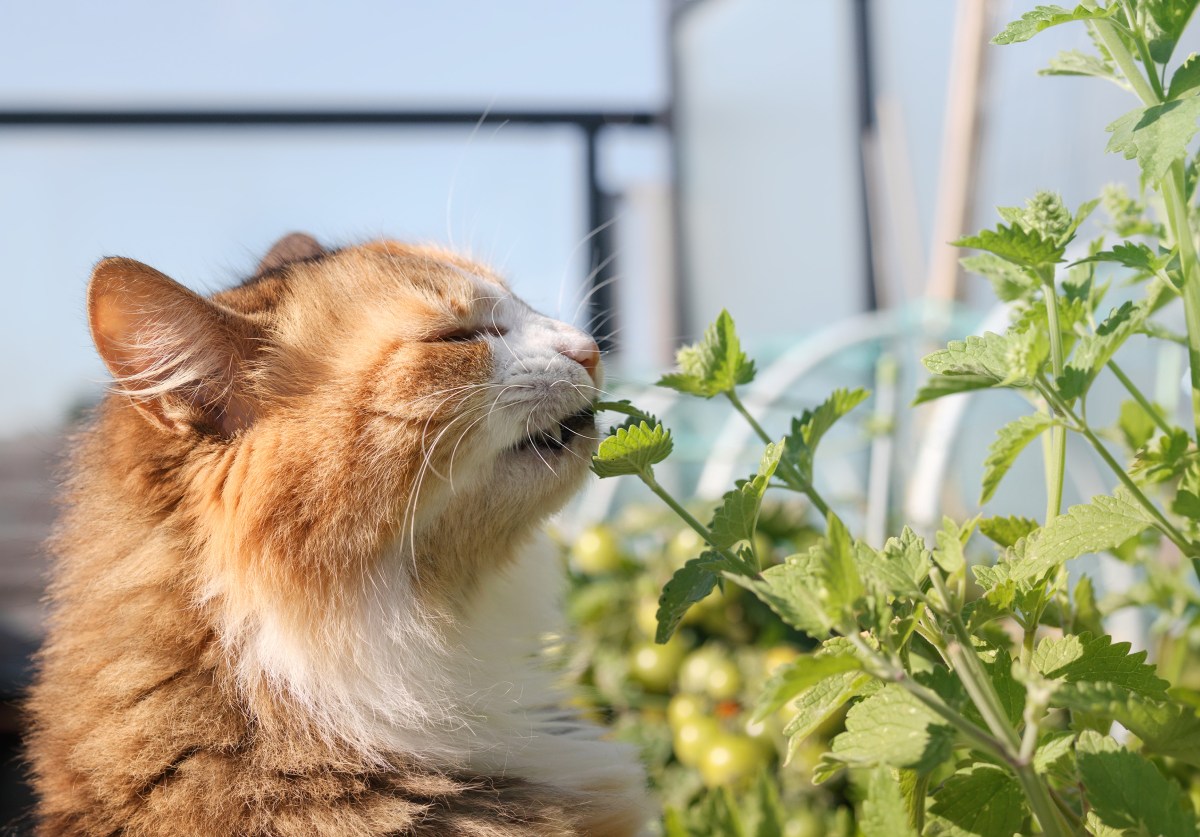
<point x="709" y="672"/>
<point x="655" y="666"/>
<point x="730" y="760"/>
<point x="684" y="707"/>
<point x="685" y="545"/>
<point x="803" y="824"/>
<point x="597" y="551"/>
<point x="646" y="616"/>
<point x="694" y="737"/>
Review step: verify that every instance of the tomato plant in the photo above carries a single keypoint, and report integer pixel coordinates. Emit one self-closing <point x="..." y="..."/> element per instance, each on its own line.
<point x="961" y="698"/>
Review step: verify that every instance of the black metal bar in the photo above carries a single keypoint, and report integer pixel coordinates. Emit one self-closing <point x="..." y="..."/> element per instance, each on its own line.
<point x="865" y="90"/>
<point x="600" y="251"/>
<point x="153" y="118"/>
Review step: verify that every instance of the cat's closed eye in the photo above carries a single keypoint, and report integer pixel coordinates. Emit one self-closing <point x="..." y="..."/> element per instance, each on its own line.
<point x="467" y="334"/>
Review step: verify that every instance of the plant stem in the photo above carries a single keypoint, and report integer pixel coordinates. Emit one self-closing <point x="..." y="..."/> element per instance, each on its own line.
<point x="700" y="528"/>
<point x="1161" y="521"/>
<point x="1058" y="434"/>
<point x="1048" y="816"/>
<point x="795" y="479"/>
<point x="1172" y="188"/>
<point x="1140" y="398"/>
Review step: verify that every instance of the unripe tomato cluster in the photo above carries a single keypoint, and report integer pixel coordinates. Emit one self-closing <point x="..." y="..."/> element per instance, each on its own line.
<point x="689" y="702"/>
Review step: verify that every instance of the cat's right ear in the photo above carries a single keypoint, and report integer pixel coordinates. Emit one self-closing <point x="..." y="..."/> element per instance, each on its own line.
<point x="181" y="358"/>
<point x="293" y="247"/>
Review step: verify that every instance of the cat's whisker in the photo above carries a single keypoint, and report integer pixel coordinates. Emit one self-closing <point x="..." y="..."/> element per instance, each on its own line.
<point x="593" y="289"/>
<point x="562" y="284"/>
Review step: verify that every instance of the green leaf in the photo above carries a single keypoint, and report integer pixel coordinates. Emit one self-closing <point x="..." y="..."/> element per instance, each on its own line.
<point x="943" y="385"/>
<point x="1086" y="616"/>
<point x="901" y="566"/>
<point x="632" y="450"/>
<point x="884" y="812"/>
<point x="1006" y="531"/>
<point x="1104" y="523"/>
<point x="982" y="800"/>
<point x="1168" y="19"/>
<point x="980" y="357"/>
<point x="842" y="584"/>
<point x="1010" y="441"/>
<point x="1131" y="255"/>
<point x="1009" y="282"/>
<point x="714" y="365"/>
<point x="801" y="674"/>
<point x="633" y="416"/>
<point x="951" y="539"/>
<point x="1127" y="791"/>
<point x="737" y="517"/>
<point x="1135" y="424"/>
<point x="1186" y="77"/>
<point x="1096" y="350"/>
<point x="1043" y="17"/>
<point x="1097" y="659"/>
<point x="1164" y="727"/>
<point x="800" y="446"/>
<point x="690" y="584"/>
<point x="1075" y="63"/>
<point x="815" y="705"/>
<point x="1156" y="135"/>
<point x="892" y="728"/>
<point x="788" y="589"/>
<point x="763" y="813"/>
<point x="1024" y="247"/>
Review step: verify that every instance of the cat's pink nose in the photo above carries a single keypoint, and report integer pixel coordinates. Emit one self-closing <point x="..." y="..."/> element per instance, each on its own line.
<point x="586" y="353"/>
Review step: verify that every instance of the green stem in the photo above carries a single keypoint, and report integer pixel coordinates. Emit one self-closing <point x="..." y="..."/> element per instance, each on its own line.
<point x="1058" y="434"/>
<point x="700" y="528"/>
<point x="1173" y="189"/>
<point x="1161" y="521"/>
<point x="1140" y="398"/>
<point x="1143" y="51"/>
<point x="794" y="479"/>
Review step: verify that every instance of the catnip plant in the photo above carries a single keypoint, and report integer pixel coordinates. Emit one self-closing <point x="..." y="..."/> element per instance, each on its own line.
<point x="983" y="699"/>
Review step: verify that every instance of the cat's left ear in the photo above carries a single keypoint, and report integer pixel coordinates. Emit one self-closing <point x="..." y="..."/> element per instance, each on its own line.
<point x="180" y="357"/>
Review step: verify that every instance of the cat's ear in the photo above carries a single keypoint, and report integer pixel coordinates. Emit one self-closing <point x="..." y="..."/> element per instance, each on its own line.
<point x="180" y="357"/>
<point x="293" y="247"/>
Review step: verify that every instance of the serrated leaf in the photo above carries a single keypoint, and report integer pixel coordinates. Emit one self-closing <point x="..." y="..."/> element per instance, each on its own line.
<point x="884" y="812"/>
<point x="1043" y="17"/>
<point x="633" y="415"/>
<point x="1097" y="659"/>
<point x="714" y="365"/>
<point x="1156" y="135"/>
<point x="1104" y="523"/>
<point x="690" y="584"/>
<point x="1135" y="424"/>
<point x="1075" y="63"/>
<point x="632" y="450"/>
<point x="1006" y="531"/>
<point x="982" y="800"/>
<point x="801" y="674"/>
<point x="892" y="728"/>
<point x="1086" y="614"/>
<point x="842" y="583"/>
<point x="901" y="566"/>
<point x="1009" y="282"/>
<point x="800" y="446"/>
<point x="737" y="517"/>
<point x="763" y="812"/>
<point x="788" y="589"/>
<point x="1011" y="439"/>
<point x="1127" y="791"/>
<point x="1164" y="727"/>
<point x="951" y="539"/>
<point x="1186" y="77"/>
<point x="1135" y="256"/>
<point x="983" y="356"/>
<point x="817" y="704"/>
<point x="1095" y="350"/>
<point x="1024" y="247"/>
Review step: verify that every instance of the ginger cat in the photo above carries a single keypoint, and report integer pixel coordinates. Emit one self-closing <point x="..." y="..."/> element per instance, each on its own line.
<point x="299" y="587"/>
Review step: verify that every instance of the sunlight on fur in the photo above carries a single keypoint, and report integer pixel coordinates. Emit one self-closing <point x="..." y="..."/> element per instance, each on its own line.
<point x="299" y="585"/>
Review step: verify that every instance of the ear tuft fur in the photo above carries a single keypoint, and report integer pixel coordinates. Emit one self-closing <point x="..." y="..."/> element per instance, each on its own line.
<point x="179" y="356"/>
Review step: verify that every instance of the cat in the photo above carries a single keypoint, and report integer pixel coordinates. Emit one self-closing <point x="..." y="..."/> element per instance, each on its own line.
<point x="299" y="585"/>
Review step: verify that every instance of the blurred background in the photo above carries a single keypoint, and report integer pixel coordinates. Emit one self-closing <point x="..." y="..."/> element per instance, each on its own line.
<point x="632" y="165"/>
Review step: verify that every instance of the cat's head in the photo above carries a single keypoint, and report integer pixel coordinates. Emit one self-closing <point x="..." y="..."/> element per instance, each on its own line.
<point x="342" y="406"/>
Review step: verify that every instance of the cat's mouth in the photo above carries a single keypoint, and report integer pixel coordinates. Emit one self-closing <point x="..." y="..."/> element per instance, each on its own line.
<point x="560" y="435"/>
